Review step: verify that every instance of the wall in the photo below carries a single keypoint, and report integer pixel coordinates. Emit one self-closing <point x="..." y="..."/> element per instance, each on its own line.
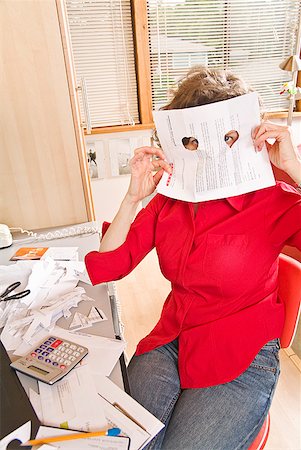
<point x="109" y="187"/>
<point x="296" y="128"/>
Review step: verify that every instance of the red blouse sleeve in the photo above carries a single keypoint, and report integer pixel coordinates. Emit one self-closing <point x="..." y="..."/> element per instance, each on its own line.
<point x="140" y="240"/>
<point x="285" y="211"/>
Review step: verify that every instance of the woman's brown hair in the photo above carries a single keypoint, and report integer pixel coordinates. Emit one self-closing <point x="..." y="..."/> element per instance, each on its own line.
<point x="202" y="85"/>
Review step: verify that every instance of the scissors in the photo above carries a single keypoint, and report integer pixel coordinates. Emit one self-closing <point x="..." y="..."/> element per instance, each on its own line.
<point x="5" y="296"/>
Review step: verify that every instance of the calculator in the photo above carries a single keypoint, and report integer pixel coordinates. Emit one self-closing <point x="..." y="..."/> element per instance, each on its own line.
<point x="51" y="359"/>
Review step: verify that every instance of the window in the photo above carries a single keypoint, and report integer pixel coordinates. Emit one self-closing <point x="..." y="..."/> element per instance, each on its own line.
<point x="169" y="37"/>
<point x="103" y="51"/>
<point x="186" y="60"/>
<point x="251" y="38"/>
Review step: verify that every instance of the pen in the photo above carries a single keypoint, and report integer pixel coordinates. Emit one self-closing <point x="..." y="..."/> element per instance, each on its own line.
<point x="69" y="437"/>
<point x="123" y="411"/>
<point x="99" y="313"/>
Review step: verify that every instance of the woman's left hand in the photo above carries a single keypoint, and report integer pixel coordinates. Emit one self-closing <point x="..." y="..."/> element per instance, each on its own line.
<point x="282" y="152"/>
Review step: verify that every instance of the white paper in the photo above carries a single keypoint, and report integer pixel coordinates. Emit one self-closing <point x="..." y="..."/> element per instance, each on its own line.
<point x="84" y="277"/>
<point x="50" y="279"/>
<point x="96" y="159"/>
<point x="35" y="400"/>
<point x="19" y="271"/>
<point x="72" y="402"/>
<point x="81" y="321"/>
<point x="103" y="352"/>
<point x="48" y="447"/>
<point x="22" y="434"/>
<point x="100" y="442"/>
<point x="144" y="425"/>
<point x="214" y="168"/>
<point x="61" y="253"/>
<point x="96" y="315"/>
<point x="22" y="333"/>
<point x="120" y="155"/>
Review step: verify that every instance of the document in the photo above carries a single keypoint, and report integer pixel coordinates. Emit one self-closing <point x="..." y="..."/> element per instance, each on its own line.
<point x="24" y="328"/>
<point x="19" y="271"/>
<point x="50" y="279"/>
<point x="211" y="152"/>
<point x="81" y="321"/>
<point x="22" y="434"/>
<point x="85" y="403"/>
<point x="72" y="402"/>
<point x="62" y="253"/>
<point x="127" y="414"/>
<point x="100" y="442"/>
<point x="103" y="352"/>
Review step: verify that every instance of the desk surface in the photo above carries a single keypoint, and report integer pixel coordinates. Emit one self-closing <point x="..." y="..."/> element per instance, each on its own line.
<point x="85" y="243"/>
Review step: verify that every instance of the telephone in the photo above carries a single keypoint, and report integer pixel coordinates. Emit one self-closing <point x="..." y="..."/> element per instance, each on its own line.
<point x="6" y="238"/>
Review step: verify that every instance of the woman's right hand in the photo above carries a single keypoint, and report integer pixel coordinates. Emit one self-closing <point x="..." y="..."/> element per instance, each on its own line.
<point x="143" y="163"/>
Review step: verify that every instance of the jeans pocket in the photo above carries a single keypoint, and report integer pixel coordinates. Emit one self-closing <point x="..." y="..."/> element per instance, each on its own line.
<point x="267" y="358"/>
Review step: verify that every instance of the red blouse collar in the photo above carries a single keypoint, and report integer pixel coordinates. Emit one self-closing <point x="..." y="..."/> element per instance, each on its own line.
<point x="237" y="202"/>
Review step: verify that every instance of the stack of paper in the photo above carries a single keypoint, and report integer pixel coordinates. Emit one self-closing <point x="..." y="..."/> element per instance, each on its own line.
<point x="89" y="404"/>
<point x="62" y="253"/>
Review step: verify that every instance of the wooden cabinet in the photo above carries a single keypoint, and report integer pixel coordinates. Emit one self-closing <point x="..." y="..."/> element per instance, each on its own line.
<point x="44" y="180"/>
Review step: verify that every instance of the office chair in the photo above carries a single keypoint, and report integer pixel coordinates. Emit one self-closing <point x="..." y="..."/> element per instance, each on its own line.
<point x="290" y="294"/>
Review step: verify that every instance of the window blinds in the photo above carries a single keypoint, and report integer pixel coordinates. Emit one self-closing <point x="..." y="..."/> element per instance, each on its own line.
<point x="251" y="38"/>
<point x="103" y="51"/>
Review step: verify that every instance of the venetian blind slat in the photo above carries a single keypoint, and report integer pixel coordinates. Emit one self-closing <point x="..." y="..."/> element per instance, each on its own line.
<point x="251" y="38"/>
<point x="103" y="51"/>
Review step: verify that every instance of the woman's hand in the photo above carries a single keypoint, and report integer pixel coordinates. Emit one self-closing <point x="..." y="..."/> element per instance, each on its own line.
<point x="282" y="152"/>
<point x="144" y="162"/>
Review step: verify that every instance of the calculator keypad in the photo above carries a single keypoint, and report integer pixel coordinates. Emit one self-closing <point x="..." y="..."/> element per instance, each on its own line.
<point x="57" y="352"/>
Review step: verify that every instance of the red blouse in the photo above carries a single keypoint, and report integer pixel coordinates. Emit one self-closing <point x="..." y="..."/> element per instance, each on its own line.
<point x="223" y="266"/>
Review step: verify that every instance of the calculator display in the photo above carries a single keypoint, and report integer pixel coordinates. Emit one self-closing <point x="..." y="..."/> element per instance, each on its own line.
<point x="51" y="359"/>
<point x="38" y="369"/>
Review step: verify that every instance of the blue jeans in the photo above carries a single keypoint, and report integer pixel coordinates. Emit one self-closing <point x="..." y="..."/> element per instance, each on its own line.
<point x="222" y="417"/>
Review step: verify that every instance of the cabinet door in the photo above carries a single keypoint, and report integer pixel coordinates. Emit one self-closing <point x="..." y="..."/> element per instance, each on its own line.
<point x="43" y="172"/>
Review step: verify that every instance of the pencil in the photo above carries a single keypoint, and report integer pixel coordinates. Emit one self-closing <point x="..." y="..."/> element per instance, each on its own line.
<point x="69" y="437"/>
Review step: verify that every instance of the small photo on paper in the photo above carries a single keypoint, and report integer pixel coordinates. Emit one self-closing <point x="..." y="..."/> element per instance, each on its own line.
<point x="120" y="155"/>
<point x="92" y="160"/>
<point x="123" y="163"/>
<point x="96" y="159"/>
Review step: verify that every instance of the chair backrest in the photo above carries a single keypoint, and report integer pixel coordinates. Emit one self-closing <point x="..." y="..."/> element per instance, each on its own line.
<point x="290" y="294"/>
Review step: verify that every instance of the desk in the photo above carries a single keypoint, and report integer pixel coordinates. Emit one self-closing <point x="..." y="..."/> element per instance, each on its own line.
<point x="108" y="328"/>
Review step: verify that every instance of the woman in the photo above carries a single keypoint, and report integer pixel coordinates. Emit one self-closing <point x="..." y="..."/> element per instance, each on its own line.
<point x="209" y="368"/>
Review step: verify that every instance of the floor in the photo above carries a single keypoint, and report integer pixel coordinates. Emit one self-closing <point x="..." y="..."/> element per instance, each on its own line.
<point x="142" y="294"/>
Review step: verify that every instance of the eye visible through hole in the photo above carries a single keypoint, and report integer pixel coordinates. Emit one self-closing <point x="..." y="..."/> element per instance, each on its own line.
<point x="190" y="143"/>
<point x="231" y="137"/>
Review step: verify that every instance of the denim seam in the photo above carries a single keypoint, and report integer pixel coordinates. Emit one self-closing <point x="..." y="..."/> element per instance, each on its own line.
<point x="152" y="444"/>
<point x="171" y="405"/>
<point x="267" y="369"/>
<point x="264" y="414"/>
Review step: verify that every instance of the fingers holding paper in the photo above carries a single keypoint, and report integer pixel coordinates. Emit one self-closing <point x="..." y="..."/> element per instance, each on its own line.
<point x="146" y="160"/>
<point x="282" y="152"/>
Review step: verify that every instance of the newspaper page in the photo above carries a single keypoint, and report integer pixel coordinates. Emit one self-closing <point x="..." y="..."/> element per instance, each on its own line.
<point x="211" y="151"/>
